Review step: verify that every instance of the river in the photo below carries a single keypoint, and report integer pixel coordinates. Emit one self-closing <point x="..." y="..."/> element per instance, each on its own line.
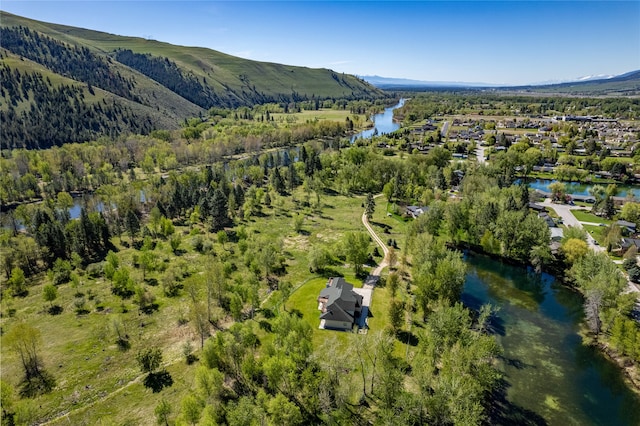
<point x="552" y="378"/>
<point x="382" y="123"/>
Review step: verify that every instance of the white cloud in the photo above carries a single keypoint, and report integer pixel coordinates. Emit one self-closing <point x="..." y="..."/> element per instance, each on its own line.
<point x="340" y="62"/>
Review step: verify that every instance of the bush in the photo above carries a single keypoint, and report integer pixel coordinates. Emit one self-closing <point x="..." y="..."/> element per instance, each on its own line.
<point x="94" y="270"/>
<point x="197" y="243"/>
<point x="634" y="274"/>
<point x="61" y="272"/>
<point x="629" y="263"/>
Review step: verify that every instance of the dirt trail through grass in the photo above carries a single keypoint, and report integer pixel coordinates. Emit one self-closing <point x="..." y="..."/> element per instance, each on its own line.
<point x="377" y="239"/>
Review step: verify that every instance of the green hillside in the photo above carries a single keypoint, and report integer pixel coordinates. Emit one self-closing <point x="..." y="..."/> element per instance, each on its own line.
<point x="153" y="81"/>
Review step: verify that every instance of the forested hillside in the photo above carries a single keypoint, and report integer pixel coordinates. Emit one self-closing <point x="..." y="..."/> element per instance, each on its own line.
<point x="58" y="114"/>
<point x="91" y="83"/>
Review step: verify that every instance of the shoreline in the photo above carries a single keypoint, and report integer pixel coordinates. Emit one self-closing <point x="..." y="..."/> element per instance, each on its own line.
<point x="629" y="368"/>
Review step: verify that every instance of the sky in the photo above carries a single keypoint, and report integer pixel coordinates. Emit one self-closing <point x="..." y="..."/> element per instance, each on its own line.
<point x="497" y="42"/>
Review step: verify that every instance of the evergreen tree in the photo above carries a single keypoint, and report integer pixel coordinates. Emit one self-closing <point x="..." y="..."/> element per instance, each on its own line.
<point x="219" y="213"/>
<point x="369" y="206"/>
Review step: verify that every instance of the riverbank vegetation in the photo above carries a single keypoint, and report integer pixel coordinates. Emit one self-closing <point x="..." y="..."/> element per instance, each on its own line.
<point x="179" y="286"/>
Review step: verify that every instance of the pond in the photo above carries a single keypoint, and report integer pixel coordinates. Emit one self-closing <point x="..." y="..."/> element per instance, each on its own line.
<point x="552" y="378"/>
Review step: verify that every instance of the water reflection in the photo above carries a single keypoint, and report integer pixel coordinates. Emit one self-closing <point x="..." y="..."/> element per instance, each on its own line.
<point x="550" y="376"/>
<point x="383" y="123"/>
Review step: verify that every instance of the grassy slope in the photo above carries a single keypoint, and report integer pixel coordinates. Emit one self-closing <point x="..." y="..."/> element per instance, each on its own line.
<point x="219" y="69"/>
<point x="165" y="107"/>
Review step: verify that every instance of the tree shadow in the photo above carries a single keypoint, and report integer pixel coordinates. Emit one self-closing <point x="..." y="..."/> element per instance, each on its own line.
<point x="296" y="312"/>
<point x="265" y="325"/>
<point x="329" y="272"/>
<point x="153" y="282"/>
<point x="504" y="412"/>
<point x="384" y="226"/>
<point x="55" y="310"/>
<point x="158" y="381"/>
<point x="407" y="337"/>
<point x="150" y="308"/>
<point x="123" y="344"/>
<point x="267" y="313"/>
<point x="37" y="384"/>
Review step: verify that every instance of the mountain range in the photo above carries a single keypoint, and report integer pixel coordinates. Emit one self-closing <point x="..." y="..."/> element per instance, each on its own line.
<point x="64" y="84"/>
<point x="627" y="84"/>
<point x="67" y="84"/>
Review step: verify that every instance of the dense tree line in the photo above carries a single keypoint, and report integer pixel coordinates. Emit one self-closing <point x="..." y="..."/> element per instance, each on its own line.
<point x="40" y="114"/>
<point x="169" y="74"/>
<point x="85" y="167"/>
<point x="78" y="63"/>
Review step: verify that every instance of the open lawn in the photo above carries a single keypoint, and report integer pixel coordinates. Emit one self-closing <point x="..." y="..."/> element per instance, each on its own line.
<point x="595" y="232"/>
<point x="389" y="227"/>
<point x="585" y="216"/>
<point x="320" y="114"/>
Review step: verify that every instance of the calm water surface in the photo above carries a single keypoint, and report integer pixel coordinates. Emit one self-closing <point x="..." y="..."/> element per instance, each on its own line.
<point x="383" y="123"/>
<point x="552" y="377"/>
<point x="582" y="188"/>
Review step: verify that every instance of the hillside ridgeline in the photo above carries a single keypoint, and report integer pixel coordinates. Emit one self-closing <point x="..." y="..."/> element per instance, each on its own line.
<point x="142" y="84"/>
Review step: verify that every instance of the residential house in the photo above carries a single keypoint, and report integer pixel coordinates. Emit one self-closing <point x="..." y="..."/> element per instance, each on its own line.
<point x="625" y="244"/>
<point x="415" y="211"/>
<point x="629" y="227"/>
<point x="537" y="207"/>
<point x="339" y="304"/>
<point x="548" y="220"/>
<point x="556" y="234"/>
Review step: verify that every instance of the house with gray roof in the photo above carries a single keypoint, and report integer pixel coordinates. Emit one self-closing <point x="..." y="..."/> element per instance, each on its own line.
<point x="629" y="226"/>
<point x="339" y="305"/>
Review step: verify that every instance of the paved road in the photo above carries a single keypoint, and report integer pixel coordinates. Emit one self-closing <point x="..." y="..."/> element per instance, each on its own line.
<point x="564" y="211"/>
<point x="480" y="154"/>
<point x="445" y="129"/>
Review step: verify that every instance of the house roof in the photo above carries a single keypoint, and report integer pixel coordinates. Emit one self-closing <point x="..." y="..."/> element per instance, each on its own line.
<point x="628" y="242"/>
<point x="537" y="207"/>
<point x="340" y="300"/>
<point x="556" y="233"/>
<point x="626" y="224"/>
<point x="336" y="313"/>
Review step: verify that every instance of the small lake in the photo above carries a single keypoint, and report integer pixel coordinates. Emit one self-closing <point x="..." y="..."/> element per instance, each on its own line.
<point x="382" y="123"/>
<point x="582" y="188"/>
<point x="552" y="378"/>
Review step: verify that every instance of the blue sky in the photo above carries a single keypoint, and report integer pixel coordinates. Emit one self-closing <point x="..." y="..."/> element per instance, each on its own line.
<point x="505" y="42"/>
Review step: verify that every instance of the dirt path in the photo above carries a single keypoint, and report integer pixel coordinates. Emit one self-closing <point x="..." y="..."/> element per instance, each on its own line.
<point x="111" y="394"/>
<point x="378" y="241"/>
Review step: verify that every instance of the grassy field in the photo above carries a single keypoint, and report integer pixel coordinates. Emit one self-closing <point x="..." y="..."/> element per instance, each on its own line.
<point x="97" y="380"/>
<point x="321" y="114"/>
